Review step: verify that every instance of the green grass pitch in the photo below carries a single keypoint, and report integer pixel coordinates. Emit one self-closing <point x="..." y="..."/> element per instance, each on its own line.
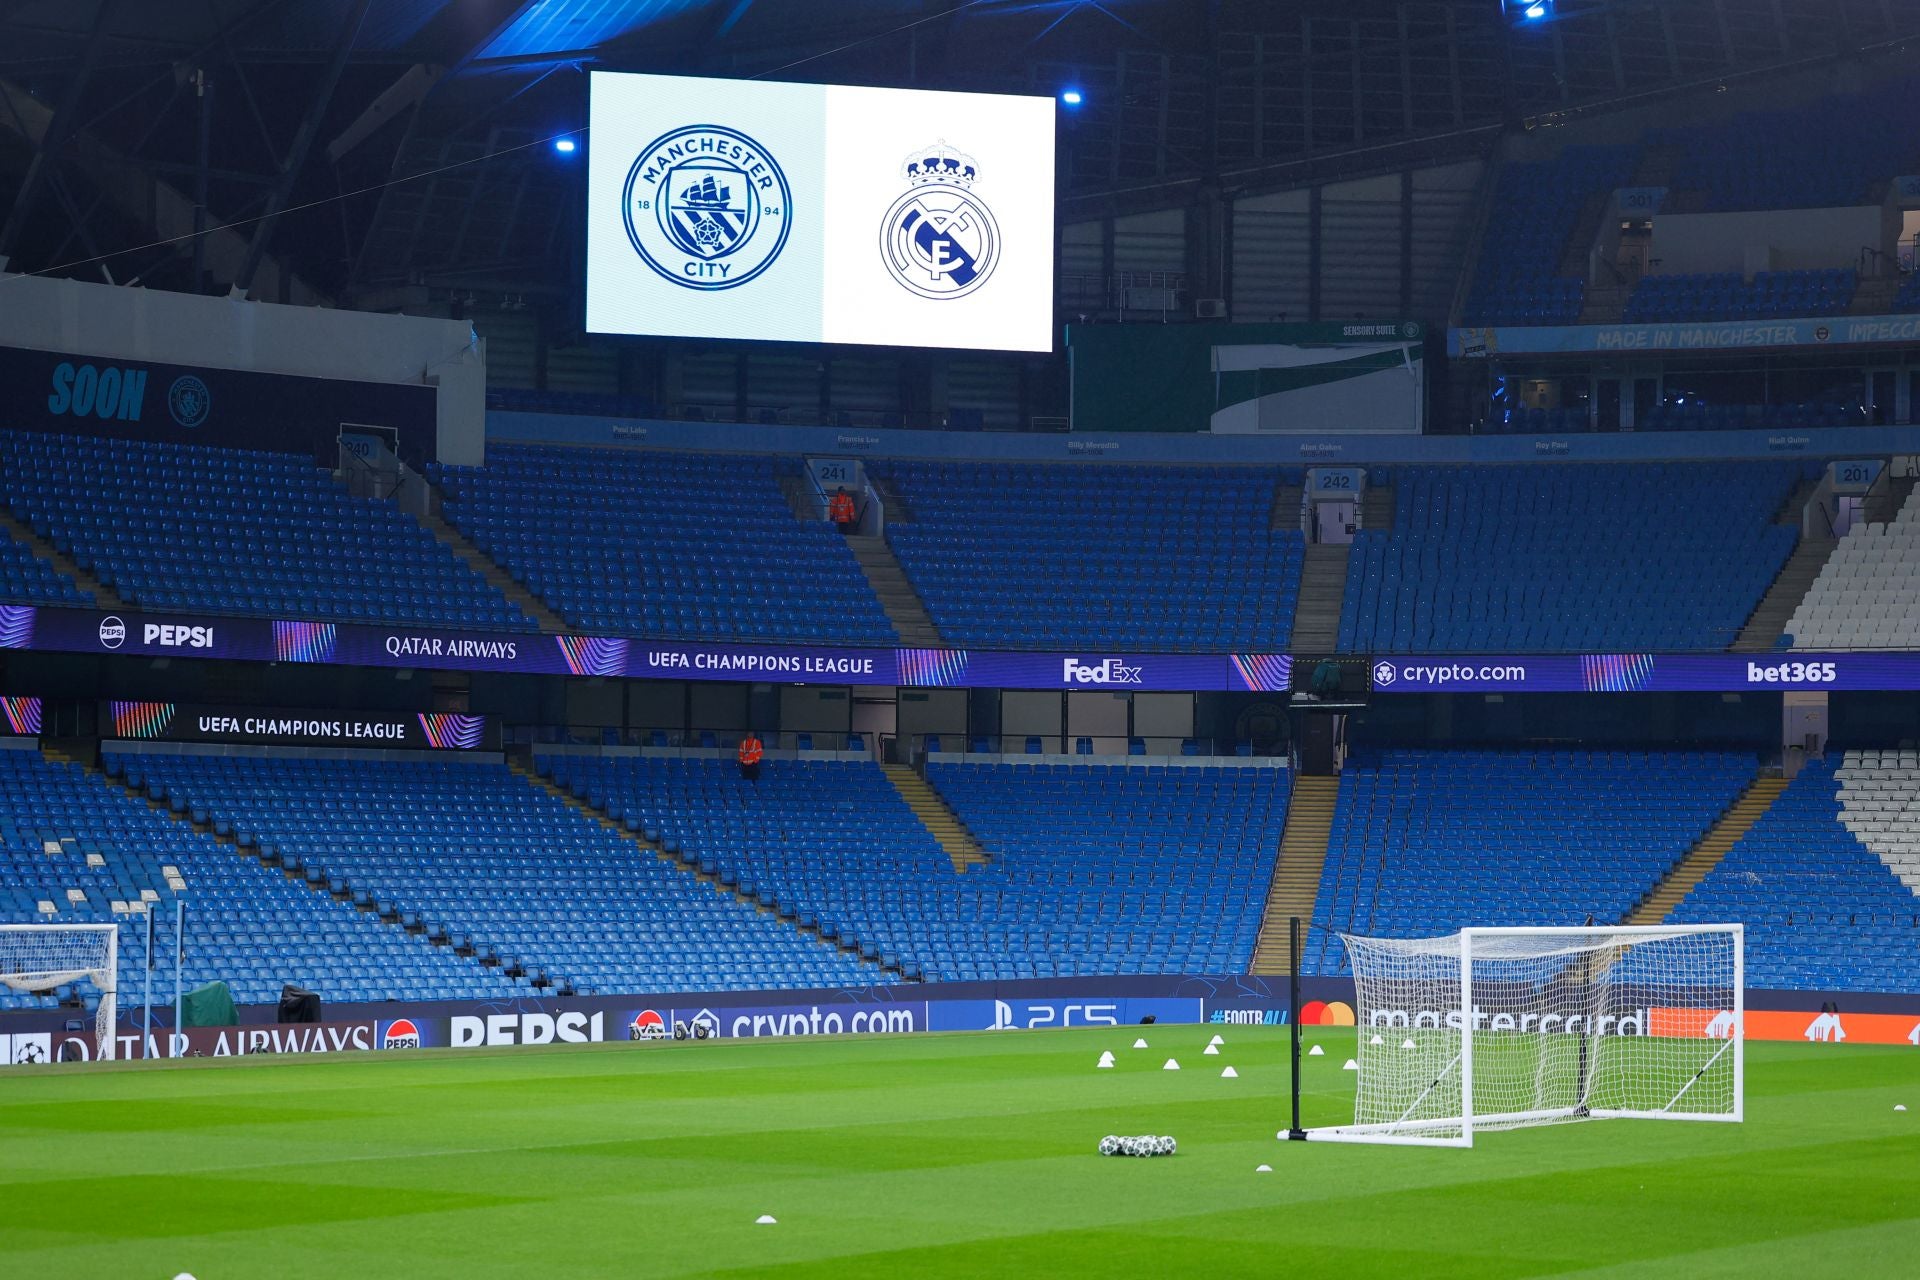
<point x="920" y="1156"/>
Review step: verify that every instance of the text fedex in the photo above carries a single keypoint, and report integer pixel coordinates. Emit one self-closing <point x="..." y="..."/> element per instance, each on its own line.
<point x="1105" y="671"/>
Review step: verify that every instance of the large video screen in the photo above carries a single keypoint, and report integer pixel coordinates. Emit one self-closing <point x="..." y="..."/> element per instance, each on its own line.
<point x="819" y="213"/>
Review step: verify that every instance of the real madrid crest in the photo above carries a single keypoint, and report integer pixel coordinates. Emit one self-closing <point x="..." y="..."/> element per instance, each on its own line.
<point x="938" y="239"/>
<point x="706" y="207"/>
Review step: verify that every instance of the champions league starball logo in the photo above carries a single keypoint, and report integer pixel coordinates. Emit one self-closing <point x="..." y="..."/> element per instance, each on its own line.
<point x="938" y="239"/>
<point x="706" y="207"/>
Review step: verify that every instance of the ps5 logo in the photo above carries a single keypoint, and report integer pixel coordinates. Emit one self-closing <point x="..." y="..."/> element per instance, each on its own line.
<point x="938" y="239"/>
<point x="706" y="207"/>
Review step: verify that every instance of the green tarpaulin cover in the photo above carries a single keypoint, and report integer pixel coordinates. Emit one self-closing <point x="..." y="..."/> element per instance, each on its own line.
<point x="208" y="1006"/>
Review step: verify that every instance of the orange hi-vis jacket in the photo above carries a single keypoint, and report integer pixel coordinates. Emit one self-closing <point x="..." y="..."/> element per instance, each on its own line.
<point x="751" y="750"/>
<point x="840" y="508"/>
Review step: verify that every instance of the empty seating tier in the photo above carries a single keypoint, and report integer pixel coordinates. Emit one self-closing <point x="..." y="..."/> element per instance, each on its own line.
<point x="1823" y="910"/>
<point x="652" y="543"/>
<point x="1868" y="593"/>
<point x="1426" y="842"/>
<point x="247" y="925"/>
<point x="1164" y="558"/>
<point x="238" y="531"/>
<point x="1665" y="299"/>
<point x="1804" y="156"/>
<point x="1095" y="868"/>
<point x="27" y="579"/>
<point x="472" y="848"/>
<point x="1593" y="558"/>
<point x="1535" y="211"/>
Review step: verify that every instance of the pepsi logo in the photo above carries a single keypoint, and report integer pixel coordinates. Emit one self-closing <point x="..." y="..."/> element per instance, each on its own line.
<point x="647" y="1025"/>
<point x="401" y="1033"/>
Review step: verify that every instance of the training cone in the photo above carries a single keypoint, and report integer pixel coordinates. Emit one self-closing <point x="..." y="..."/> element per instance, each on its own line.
<point x="1407" y="1043"/>
<point x="1216" y="1042"/>
<point x="1316" y="1052"/>
<point x="764" y="1220"/>
<point x="1228" y="1073"/>
<point x="1139" y="1044"/>
<point x="1376" y="1040"/>
<point x="1899" y="1106"/>
<point x="1170" y="1065"/>
<point x="1263" y="1168"/>
<point x="1106" y="1059"/>
<point x="1211" y="1051"/>
<point x="1349" y="1065"/>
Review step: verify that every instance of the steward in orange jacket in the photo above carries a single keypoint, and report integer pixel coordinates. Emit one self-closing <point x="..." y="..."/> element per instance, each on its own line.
<point x="840" y="511"/>
<point x="749" y="755"/>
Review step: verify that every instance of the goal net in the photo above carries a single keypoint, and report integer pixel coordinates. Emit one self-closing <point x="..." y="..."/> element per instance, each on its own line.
<point x="41" y="958"/>
<point x="1500" y="1028"/>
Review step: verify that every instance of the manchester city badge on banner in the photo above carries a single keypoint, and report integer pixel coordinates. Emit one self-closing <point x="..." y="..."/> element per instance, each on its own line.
<point x="706" y="207"/>
<point x="938" y="239"/>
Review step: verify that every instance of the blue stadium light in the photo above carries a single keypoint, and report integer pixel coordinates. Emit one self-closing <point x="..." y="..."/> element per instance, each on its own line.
<point x="1071" y="97"/>
<point x="565" y="146"/>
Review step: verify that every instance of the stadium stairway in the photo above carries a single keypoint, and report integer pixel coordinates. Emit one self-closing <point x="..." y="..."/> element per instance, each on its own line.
<point x="1776" y="608"/>
<point x="1886" y="505"/>
<point x="496" y="577"/>
<point x="1296" y="877"/>
<point x="587" y="809"/>
<point x="902" y="604"/>
<point x="1323" y="587"/>
<point x="1692" y="868"/>
<point x="941" y="822"/>
<point x="1378" y="506"/>
<point x="1874" y="295"/>
<point x="43" y="550"/>
<point x="1287" y="500"/>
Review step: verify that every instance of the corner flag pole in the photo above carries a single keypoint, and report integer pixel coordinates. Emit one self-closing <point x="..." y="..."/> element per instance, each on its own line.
<point x="1296" y="1133"/>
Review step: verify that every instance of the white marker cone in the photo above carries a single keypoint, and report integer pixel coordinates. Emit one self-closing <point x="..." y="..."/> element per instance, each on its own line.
<point x="1216" y="1041"/>
<point x="1106" y="1059"/>
<point x="1316" y="1052"/>
<point x="1350" y="1065"/>
<point x="1139" y="1044"/>
<point x="1263" y="1168"/>
<point x="1407" y="1043"/>
<point x="1211" y="1051"/>
<point x="1228" y="1073"/>
<point x="764" y="1220"/>
<point x="1899" y="1106"/>
<point x="1376" y="1040"/>
<point x="1171" y="1065"/>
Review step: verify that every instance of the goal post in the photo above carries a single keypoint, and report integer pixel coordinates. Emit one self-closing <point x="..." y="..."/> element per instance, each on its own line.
<point x="41" y="958"/>
<point x="1493" y="1028"/>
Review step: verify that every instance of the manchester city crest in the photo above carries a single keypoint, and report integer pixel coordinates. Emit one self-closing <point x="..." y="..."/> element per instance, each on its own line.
<point x="938" y="239"/>
<point x="188" y="400"/>
<point x="706" y="207"/>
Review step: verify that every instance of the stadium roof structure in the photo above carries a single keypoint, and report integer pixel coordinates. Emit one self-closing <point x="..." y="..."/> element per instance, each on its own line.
<point x="404" y="144"/>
